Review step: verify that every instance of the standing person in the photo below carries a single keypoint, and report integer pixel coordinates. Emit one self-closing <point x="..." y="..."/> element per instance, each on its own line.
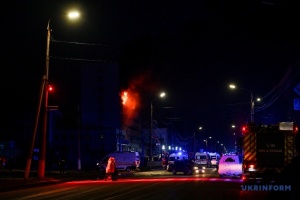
<point x="110" y="168"/>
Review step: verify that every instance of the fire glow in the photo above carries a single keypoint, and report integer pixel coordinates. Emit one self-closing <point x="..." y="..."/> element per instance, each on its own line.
<point x="131" y="103"/>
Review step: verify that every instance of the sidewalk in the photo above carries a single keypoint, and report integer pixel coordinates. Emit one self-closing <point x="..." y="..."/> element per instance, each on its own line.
<point x="15" y="179"/>
<point x="10" y="180"/>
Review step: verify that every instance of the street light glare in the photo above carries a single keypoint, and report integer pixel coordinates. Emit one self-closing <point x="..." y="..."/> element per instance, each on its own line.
<point x="232" y="86"/>
<point x="162" y="94"/>
<point x="73" y="14"/>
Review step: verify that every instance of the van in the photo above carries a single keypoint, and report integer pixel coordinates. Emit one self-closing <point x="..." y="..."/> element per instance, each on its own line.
<point x="203" y="159"/>
<point x="214" y="159"/>
<point x="125" y="160"/>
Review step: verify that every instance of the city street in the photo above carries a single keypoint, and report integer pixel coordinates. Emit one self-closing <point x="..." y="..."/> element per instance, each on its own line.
<point x="178" y="187"/>
<point x="154" y="184"/>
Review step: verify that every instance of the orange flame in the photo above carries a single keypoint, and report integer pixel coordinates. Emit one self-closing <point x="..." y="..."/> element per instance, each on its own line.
<point x="130" y="101"/>
<point x="124" y="97"/>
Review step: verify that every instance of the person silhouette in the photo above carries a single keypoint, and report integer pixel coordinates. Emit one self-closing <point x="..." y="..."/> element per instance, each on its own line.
<point x="110" y="168"/>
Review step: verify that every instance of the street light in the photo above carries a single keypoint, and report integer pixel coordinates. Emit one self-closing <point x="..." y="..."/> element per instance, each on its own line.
<point x="151" y="123"/>
<point x="200" y="128"/>
<point x="41" y="164"/>
<point x="251" y="101"/>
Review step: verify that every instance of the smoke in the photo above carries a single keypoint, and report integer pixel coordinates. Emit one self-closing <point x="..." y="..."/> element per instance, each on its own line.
<point x="139" y="88"/>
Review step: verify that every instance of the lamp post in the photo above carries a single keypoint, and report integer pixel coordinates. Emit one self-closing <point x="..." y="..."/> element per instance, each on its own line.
<point x="217" y="146"/>
<point x="151" y="124"/>
<point x="205" y="143"/>
<point x="41" y="163"/>
<point x="251" y="101"/>
<point x="200" y="128"/>
<point x="222" y="148"/>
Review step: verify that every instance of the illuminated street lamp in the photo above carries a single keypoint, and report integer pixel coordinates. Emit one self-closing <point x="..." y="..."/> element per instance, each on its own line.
<point x="151" y="124"/>
<point x="251" y="101"/>
<point x="41" y="164"/>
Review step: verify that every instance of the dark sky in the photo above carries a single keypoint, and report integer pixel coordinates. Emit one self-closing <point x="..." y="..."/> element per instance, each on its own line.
<point x="190" y="49"/>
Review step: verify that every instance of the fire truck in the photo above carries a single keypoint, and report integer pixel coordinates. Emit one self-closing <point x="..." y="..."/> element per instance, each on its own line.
<point x="266" y="150"/>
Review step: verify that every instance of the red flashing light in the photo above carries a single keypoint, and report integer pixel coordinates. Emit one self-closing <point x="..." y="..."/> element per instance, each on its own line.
<point x="244" y="129"/>
<point x="50" y="88"/>
<point x="295" y="129"/>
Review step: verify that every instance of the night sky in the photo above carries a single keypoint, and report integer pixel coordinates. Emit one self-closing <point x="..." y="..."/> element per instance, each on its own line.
<point x="192" y="50"/>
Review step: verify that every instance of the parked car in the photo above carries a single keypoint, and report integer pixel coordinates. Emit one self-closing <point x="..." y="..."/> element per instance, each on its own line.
<point x="186" y="166"/>
<point x="230" y="165"/>
<point x="175" y="156"/>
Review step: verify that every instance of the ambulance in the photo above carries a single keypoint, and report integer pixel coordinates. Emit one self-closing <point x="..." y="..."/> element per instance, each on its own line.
<point x="203" y="159"/>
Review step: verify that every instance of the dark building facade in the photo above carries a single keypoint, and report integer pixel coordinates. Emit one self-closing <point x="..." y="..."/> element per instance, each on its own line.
<point x="98" y="119"/>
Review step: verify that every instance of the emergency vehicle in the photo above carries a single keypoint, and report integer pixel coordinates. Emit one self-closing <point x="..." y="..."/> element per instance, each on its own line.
<point x="231" y="165"/>
<point x="214" y="158"/>
<point x="267" y="149"/>
<point x="126" y="160"/>
<point x="203" y="159"/>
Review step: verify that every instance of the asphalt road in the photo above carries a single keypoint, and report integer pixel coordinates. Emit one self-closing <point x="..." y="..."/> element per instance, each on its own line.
<point x="149" y="187"/>
<point x="11" y="180"/>
<point x="154" y="184"/>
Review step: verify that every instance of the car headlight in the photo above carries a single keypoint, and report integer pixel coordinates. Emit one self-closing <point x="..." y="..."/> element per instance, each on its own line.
<point x="196" y="168"/>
